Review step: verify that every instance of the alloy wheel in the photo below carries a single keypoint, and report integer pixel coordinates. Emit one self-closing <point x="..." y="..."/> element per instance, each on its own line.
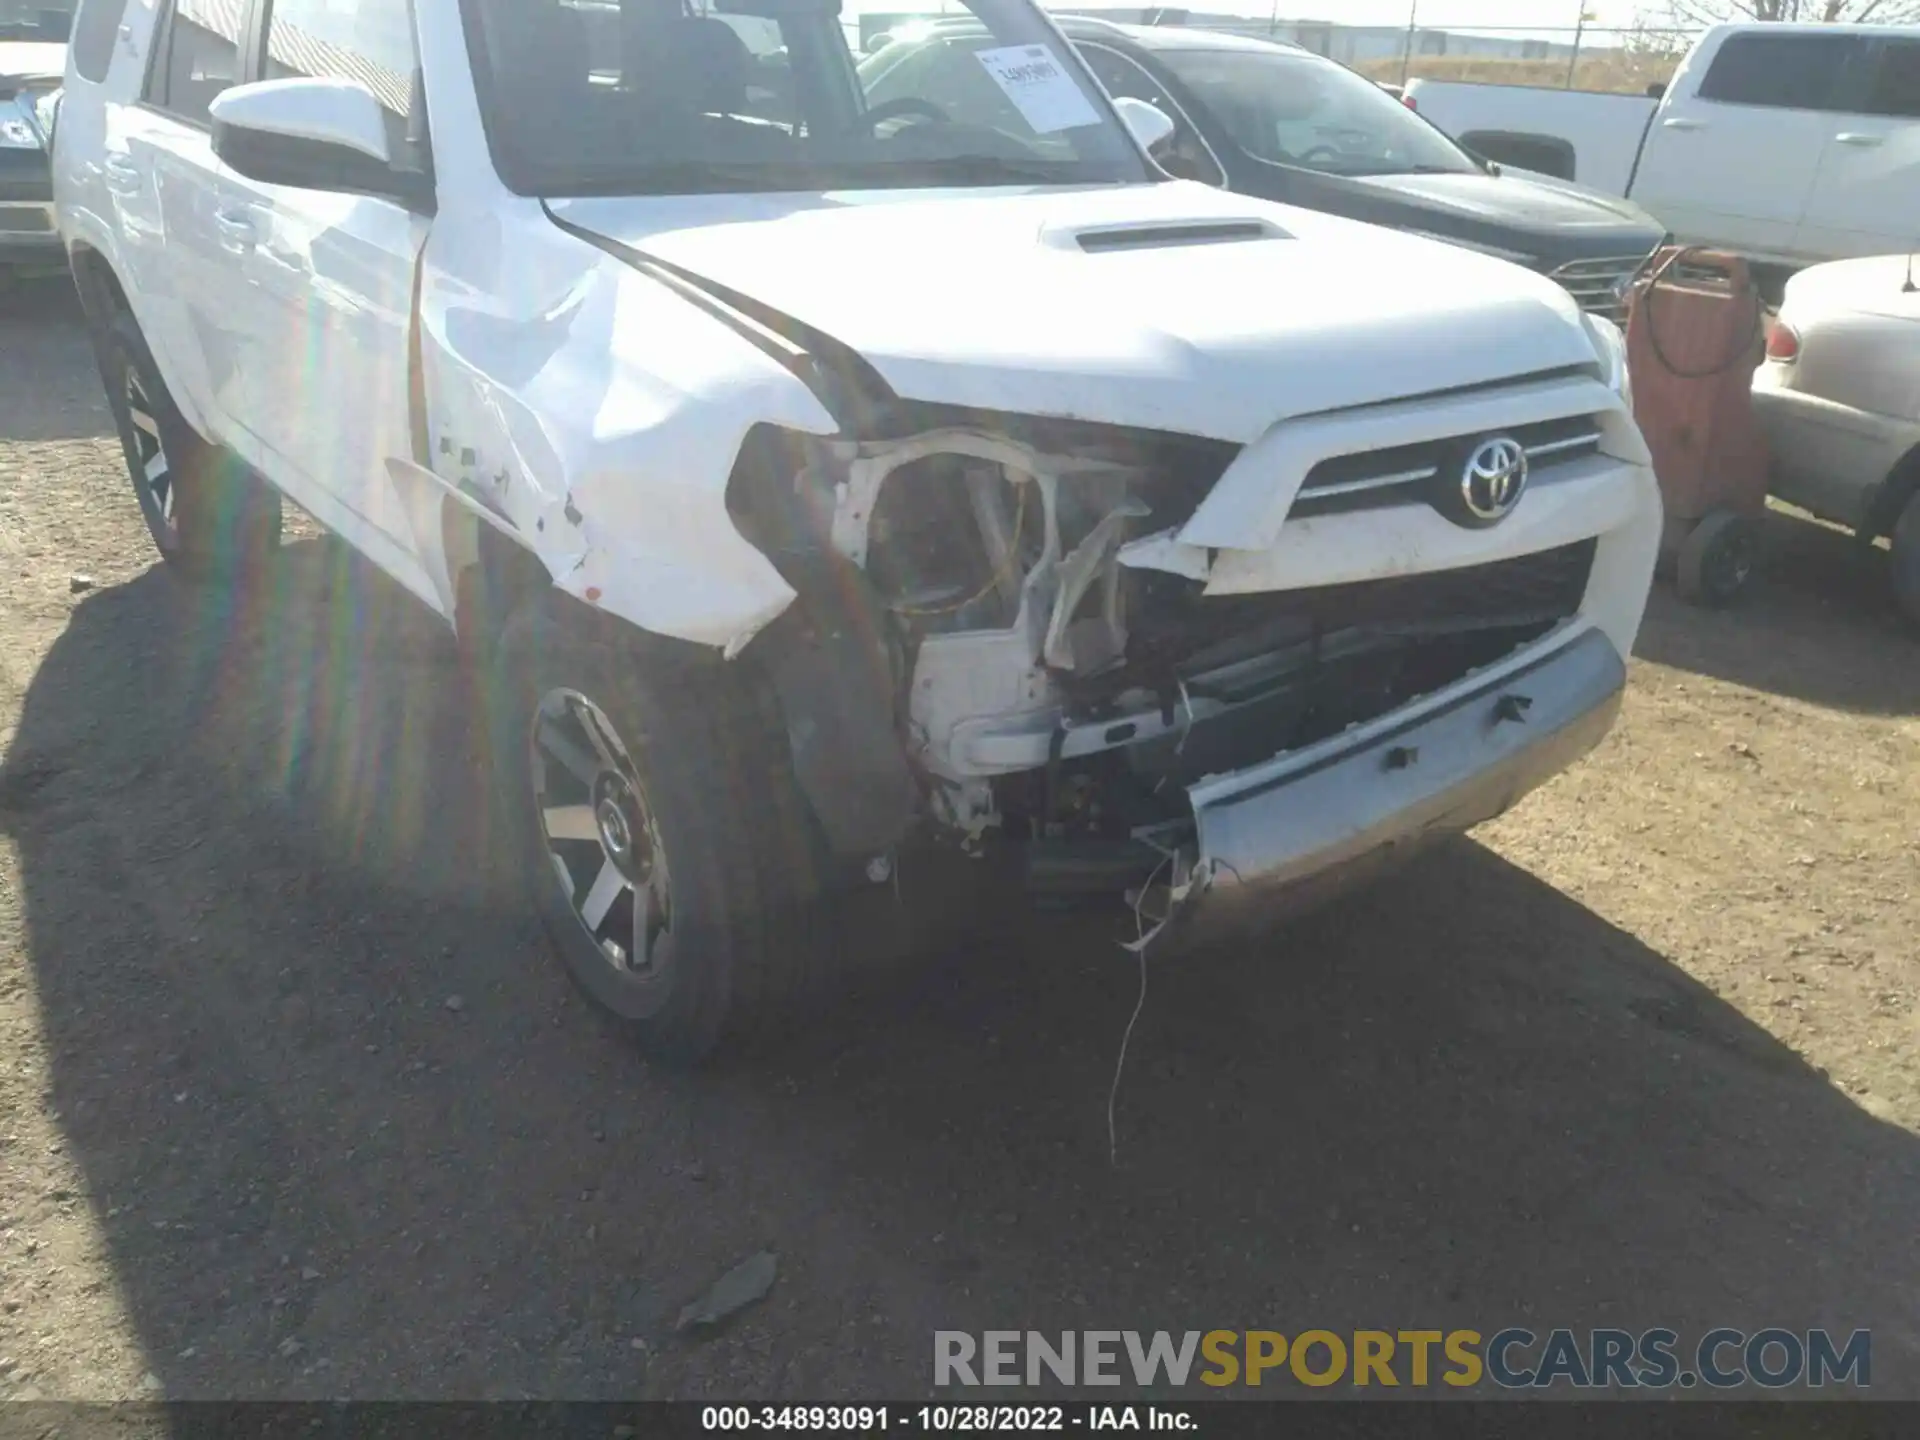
<point x="153" y="468"/>
<point x="601" y="841"/>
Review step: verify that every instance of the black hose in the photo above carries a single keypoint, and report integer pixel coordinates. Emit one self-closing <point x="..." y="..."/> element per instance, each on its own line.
<point x="1754" y="331"/>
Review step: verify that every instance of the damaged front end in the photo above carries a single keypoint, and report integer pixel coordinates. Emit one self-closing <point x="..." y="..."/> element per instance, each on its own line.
<point x="999" y="632"/>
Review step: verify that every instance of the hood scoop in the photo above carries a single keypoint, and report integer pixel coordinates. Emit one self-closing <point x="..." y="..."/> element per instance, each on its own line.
<point x="1168" y="235"/>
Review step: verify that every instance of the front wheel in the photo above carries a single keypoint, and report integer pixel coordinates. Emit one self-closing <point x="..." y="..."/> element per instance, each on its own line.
<point x="661" y="833"/>
<point x="209" y="518"/>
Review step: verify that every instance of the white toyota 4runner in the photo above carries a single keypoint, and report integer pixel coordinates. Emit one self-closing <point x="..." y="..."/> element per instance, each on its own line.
<point x="820" y="482"/>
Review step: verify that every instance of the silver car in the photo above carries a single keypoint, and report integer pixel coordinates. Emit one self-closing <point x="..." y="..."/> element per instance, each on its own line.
<point x="1839" y="399"/>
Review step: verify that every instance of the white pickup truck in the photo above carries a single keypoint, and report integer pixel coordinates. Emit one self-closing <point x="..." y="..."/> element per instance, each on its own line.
<point x="815" y="480"/>
<point x="1788" y="144"/>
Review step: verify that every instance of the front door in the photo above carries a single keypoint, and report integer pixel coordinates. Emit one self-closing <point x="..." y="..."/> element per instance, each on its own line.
<point x="333" y="277"/>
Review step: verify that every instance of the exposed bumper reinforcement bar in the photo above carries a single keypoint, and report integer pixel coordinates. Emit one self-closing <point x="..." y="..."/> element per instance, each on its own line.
<point x="1285" y="833"/>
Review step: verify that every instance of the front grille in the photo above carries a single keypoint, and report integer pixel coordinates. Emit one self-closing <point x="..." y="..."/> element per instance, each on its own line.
<point x="1346" y="653"/>
<point x="1599" y="286"/>
<point x="1175" y="630"/>
<point x="1546" y="586"/>
<point x="1404" y="474"/>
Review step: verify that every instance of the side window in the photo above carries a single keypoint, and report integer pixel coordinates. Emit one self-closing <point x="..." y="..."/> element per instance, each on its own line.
<point x="366" y="40"/>
<point x="1186" y="155"/>
<point x="1780" y="72"/>
<point x="95" y="29"/>
<point x="768" y="76"/>
<point x="1123" y="78"/>
<point x="201" y="50"/>
<point x="1896" y="81"/>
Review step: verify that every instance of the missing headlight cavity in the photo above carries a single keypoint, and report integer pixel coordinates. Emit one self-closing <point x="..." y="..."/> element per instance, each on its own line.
<point x="950" y="541"/>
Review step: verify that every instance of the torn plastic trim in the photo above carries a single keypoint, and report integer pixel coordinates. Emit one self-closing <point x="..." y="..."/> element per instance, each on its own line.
<point x="854" y="393"/>
<point x="1090" y="562"/>
<point x="1165" y="552"/>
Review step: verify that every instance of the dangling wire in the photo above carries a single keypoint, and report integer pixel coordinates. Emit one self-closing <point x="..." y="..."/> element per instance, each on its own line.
<point x="1143" y="938"/>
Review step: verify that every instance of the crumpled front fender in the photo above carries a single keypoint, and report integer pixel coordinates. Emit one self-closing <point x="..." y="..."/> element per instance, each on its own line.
<point x="599" y="417"/>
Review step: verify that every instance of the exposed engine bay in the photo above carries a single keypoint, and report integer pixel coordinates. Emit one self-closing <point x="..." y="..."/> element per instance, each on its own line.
<point x="1062" y="675"/>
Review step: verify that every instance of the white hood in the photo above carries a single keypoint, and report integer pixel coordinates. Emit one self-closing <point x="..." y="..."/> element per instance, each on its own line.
<point x="988" y="299"/>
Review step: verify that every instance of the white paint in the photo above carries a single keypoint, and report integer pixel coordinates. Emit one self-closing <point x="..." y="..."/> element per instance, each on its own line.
<point x="325" y="111"/>
<point x="1218" y="340"/>
<point x="1149" y="123"/>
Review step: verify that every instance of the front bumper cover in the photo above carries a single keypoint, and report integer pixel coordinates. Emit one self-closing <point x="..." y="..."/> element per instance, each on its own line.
<point x="1287" y="833"/>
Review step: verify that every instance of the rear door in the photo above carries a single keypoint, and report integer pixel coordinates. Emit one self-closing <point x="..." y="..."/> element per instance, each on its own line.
<point x="1732" y="162"/>
<point x="1866" y="199"/>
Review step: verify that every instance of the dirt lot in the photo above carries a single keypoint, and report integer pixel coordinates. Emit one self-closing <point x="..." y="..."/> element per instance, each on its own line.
<point x="292" y="1102"/>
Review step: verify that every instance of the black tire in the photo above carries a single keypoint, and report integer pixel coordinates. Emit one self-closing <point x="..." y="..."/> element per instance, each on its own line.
<point x="1904" y="563"/>
<point x="1717" y="559"/>
<point x="210" y="518"/>
<point x="704" y="790"/>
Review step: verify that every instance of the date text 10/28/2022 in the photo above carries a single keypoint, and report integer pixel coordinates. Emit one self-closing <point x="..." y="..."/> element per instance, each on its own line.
<point x="878" y="1419"/>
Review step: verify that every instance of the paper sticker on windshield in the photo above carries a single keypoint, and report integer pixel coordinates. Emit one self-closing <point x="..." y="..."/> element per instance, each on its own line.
<point x="1039" y="86"/>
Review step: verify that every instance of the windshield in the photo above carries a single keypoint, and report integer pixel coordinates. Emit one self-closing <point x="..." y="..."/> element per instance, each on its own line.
<point x="1291" y="108"/>
<point x="587" y="97"/>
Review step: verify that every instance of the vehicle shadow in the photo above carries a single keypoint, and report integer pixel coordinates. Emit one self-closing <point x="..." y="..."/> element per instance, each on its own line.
<point x="41" y="332"/>
<point x="345" y="1132"/>
<point x="1817" y="623"/>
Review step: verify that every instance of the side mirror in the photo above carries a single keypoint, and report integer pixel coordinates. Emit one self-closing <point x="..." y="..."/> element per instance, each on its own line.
<point x="311" y="134"/>
<point x="1150" y="125"/>
<point x="1657" y="90"/>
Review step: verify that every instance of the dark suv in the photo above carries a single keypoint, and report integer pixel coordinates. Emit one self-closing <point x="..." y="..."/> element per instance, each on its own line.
<point x="1282" y="123"/>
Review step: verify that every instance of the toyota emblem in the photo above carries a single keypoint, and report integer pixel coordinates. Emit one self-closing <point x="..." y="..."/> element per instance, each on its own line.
<point x="1493" y="479"/>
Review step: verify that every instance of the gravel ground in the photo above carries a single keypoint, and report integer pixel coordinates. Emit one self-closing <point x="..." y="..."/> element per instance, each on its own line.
<point x="294" y="1104"/>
